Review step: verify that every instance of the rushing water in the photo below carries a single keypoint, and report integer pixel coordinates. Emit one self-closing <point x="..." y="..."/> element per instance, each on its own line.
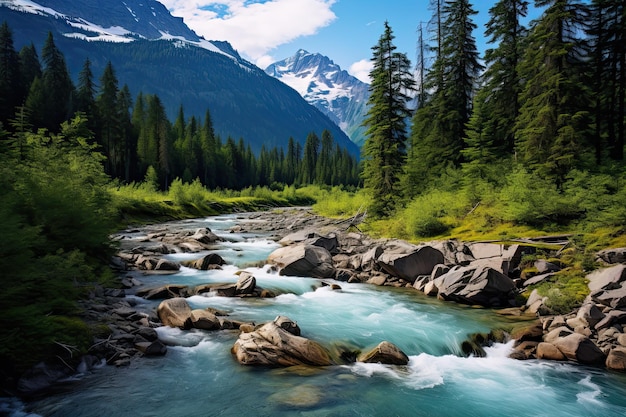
<point x="199" y="377"/>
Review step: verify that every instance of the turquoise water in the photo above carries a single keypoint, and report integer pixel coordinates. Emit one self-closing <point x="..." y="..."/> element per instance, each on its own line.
<point x="199" y="376"/>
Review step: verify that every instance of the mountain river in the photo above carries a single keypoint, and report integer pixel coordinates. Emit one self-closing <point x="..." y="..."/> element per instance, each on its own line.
<point x="199" y="377"/>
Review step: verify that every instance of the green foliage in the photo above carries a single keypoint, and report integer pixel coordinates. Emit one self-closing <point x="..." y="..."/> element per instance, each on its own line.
<point x="566" y="290"/>
<point x="433" y="213"/>
<point x="55" y="219"/>
<point x="337" y="202"/>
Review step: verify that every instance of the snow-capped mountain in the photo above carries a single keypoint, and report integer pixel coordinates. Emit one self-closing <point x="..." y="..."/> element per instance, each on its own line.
<point x="119" y="21"/>
<point x="155" y="53"/>
<point x="339" y="95"/>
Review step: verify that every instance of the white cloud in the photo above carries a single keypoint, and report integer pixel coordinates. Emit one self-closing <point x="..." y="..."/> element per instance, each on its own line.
<point x="253" y="28"/>
<point x="264" y="61"/>
<point x="361" y="70"/>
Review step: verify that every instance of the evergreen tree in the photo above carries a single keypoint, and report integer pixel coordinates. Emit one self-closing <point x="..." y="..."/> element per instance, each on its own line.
<point x="128" y="141"/>
<point x="30" y="67"/>
<point x="309" y="159"/>
<point x="606" y="47"/>
<point x="85" y="95"/>
<point x="57" y="86"/>
<point x="439" y="126"/>
<point x="11" y="87"/>
<point x="291" y="162"/>
<point x="553" y="124"/>
<point x="385" y="147"/>
<point x="208" y="151"/>
<point x="108" y="119"/>
<point x="502" y="80"/>
<point x="324" y="163"/>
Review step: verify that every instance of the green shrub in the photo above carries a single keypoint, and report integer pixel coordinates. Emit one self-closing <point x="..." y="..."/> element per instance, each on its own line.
<point x="433" y="213"/>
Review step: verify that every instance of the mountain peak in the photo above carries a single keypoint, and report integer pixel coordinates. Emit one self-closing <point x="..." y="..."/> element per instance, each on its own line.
<point x="326" y="86"/>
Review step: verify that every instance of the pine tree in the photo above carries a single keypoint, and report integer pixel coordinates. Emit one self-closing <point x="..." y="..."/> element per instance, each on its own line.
<point x="553" y="124"/>
<point x="11" y="87"/>
<point x="85" y="95"/>
<point x="57" y="85"/>
<point x="438" y="128"/>
<point x="30" y="67"/>
<point x="128" y="144"/>
<point x="309" y="159"/>
<point x="108" y="134"/>
<point x="502" y="81"/>
<point x="385" y="147"/>
<point x="606" y="47"/>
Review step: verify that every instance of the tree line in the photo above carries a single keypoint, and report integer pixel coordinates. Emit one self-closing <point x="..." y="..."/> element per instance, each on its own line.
<point x="134" y="135"/>
<point x="547" y="99"/>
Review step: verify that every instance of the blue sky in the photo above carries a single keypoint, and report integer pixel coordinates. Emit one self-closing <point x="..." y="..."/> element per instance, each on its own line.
<point x="265" y="31"/>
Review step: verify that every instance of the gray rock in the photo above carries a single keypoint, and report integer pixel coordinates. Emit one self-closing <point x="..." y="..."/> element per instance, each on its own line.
<point x="612" y="256"/>
<point x="544" y="266"/>
<point x="303" y="260"/>
<point x="608" y="286"/>
<point x="155" y="348"/>
<point x="476" y="285"/>
<point x="409" y="264"/>
<point x="616" y="359"/>
<point x="202" y="319"/>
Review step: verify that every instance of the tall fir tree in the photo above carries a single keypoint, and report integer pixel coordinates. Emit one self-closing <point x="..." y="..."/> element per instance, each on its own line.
<point x="553" y="125"/>
<point x="384" y="151"/>
<point x="108" y="134"/>
<point x="438" y="127"/>
<point x="57" y="85"/>
<point x="30" y="67"/>
<point x="11" y="87"/>
<point x="85" y="96"/>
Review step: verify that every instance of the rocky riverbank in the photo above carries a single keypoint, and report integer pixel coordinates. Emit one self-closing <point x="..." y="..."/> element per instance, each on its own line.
<point x="485" y="274"/>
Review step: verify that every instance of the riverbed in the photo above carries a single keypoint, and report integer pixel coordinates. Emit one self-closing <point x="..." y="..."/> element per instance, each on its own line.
<point x="199" y="376"/>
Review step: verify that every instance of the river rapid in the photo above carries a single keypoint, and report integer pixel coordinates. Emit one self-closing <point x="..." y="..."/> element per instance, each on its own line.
<point x="199" y="376"/>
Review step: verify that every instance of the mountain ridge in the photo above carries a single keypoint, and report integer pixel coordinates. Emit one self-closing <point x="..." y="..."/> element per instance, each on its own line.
<point x="181" y="68"/>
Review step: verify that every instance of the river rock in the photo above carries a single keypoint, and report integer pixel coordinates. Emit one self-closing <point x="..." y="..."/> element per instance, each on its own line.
<point x="616" y="359"/>
<point x="590" y="313"/>
<point x="166" y="265"/>
<point x="245" y="284"/>
<point x="174" y="312"/>
<point x="476" y="285"/>
<point x="210" y="261"/>
<point x="303" y="260"/>
<point x="202" y="319"/>
<point x="162" y="293"/>
<point x="385" y="353"/>
<point x="550" y="352"/>
<point x="409" y="262"/>
<point x="42" y="377"/>
<point x="273" y="344"/>
<point x="608" y="286"/>
<point x="155" y="348"/>
<point x="580" y="348"/>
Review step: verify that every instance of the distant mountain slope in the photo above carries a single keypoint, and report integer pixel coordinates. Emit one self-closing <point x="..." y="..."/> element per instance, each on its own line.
<point x="324" y="84"/>
<point x="156" y="53"/>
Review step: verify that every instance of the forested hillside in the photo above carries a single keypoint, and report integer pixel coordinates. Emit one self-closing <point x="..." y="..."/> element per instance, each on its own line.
<point x="244" y="101"/>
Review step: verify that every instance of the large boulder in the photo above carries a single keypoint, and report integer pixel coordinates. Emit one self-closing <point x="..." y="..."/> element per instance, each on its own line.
<point x="304" y="261"/>
<point x="580" y="348"/>
<point x="476" y="285"/>
<point x="385" y="353"/>
<point x="278" y="344"/>
<point x="210" y="261"/>
<point x="174" y="312"/>
<point x="310" y="237"/>
<point x="245" y="284"/>
<point x="608" y="286"/>
<point x="409" y="262"/>
<point x="202" y="319"/>
<point x="164" y="292"/>
<point x="616" y="359"/>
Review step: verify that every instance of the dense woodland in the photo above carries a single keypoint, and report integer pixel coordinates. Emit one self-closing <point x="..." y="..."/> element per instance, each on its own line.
<point x="535" y="128"/>
<point x="136" y="134"/>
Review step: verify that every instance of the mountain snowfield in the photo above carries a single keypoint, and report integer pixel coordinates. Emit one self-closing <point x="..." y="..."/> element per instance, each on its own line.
<point x="122" y="23"/>
<point x="336" y="93"/>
